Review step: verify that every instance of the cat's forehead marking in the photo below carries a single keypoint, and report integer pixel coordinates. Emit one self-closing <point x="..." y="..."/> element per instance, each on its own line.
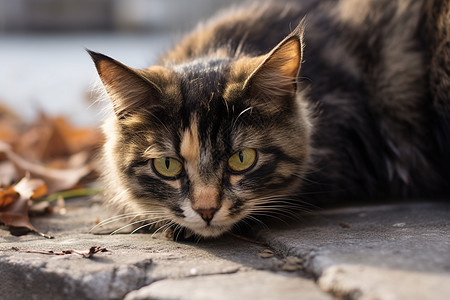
<point x="190" y="144"/>
<point x="204" y="196"/>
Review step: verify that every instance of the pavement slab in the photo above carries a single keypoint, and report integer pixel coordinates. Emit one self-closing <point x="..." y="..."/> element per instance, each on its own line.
<point x="251" y="285"/>
<point x="154" y="267"/>
<point x="397" y="251"/>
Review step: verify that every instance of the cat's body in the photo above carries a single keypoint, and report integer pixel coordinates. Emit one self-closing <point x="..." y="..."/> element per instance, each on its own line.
<point x="366" y="119"/>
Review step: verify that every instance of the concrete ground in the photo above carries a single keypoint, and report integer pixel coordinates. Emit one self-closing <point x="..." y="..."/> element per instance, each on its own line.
<point x="399" y="251"/>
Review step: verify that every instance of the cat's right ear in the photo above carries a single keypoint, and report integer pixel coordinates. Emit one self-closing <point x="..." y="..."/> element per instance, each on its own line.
<point x="276" y="74"/>
<point x="126" y="87"/>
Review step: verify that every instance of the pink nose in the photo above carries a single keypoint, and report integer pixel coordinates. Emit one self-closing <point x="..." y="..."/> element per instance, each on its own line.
<point x="206" y="214"/>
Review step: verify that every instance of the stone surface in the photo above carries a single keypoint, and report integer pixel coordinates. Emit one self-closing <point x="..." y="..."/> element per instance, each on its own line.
<point x="135" y="261"/>
<point x="367" y="282"/>
<point x="375" y="252"/>
<point x="242" y="285"/>
<point x="372" y="252"/>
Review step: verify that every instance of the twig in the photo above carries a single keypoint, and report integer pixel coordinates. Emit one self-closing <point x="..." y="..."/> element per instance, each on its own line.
<point x="93" y="250"/>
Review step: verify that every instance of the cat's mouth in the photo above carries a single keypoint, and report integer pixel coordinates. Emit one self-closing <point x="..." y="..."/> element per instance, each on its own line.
<point x="204" y="229"/>
<point x="219" y="224"/>
<point x="209" y="230"/>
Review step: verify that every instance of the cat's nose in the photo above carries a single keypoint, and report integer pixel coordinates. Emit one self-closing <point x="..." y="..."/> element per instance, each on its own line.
<point x="206" y="214"/>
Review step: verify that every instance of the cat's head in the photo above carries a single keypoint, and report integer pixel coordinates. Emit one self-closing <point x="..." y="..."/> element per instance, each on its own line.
<point x="207" y="143"/>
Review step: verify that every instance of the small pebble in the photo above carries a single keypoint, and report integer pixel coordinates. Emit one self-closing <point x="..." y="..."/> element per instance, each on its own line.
<point x="292" y="264"/>
<point x="266" y="253"/>
<point x="344" y="225"/>
<point x="291" y="268"/>
<point x="293" y="260"/>
<point x="193" y="271"/>
<point x="399" y="225"/>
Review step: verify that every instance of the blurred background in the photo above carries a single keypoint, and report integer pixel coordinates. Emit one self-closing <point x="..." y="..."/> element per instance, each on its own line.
<point x="43" y="64"/>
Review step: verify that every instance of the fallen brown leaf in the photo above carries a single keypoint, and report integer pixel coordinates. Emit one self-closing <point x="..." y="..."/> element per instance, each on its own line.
<point x="15" y="202"/>
<point x="8" y="173"/>
<point x="56" y="180"/>
<point x="9" y="124"/>
<point x="48" y="150"/>
<point x="8" y="131"/>
<point x="77" y="139"/>
<point x="51" y="138"/>
<point x="8" y="196"/>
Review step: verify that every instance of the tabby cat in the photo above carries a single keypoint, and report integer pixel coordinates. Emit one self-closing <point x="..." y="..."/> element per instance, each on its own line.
<point x="250" y="113"/>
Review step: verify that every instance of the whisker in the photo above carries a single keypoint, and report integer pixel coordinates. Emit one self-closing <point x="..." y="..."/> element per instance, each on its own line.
<point x="198" y="239"/>
<point x="131" y="224"/>
<point x="282" y="213"/>
<point x="131" y="213"/>
<point x="272" y="208"/>
<point x="278" y="207"/>
<point x="269" y="206"/>
<point x="285" y="201"/>
<point x="171" y="226"/>
<point x="242" y="221"/>
<point x="164" y="227"/>
<point x="124" y="216"/>
<point x="271" y="216"/>
<point x="148" y="224"/>
<point x="253" y="218"/>
<point x="178" y="230"/>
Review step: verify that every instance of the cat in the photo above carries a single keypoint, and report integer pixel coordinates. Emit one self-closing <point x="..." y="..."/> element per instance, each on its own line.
<point x="273" y="104"/>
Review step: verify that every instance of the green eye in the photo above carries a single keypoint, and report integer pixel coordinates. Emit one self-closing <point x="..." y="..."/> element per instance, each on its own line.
<point x="242" y="161"/>
<point x="167" y="167"/>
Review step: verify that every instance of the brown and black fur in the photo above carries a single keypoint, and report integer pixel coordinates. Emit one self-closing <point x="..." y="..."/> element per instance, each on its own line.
<point x="367" y="116"/>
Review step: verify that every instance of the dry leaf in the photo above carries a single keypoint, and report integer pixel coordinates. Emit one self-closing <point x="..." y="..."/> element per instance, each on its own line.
<point x="53" y="138"/>
<point x="8" y="173"/>
<point x="50" y="150"/>
<point x="8" y="132"/>
<point x="8" y="196"/>
<point x="9" y="124"/>
<point x="30" y="188"/>
<point x="56" y="180"/>
<point x="15" y="211"/>
<point x="76" y="139"/>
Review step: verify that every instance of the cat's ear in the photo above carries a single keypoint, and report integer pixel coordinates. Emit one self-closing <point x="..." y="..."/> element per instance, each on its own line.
<point x="127" y="88"/>
<point x="276" y="75"/>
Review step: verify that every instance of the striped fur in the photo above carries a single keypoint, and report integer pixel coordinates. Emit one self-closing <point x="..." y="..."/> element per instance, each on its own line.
<point x="365" y="116"/>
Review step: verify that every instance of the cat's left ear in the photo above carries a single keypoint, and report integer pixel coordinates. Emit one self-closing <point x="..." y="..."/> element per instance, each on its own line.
<point x="276" y="75"/>
<point x="127" y="88"/>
